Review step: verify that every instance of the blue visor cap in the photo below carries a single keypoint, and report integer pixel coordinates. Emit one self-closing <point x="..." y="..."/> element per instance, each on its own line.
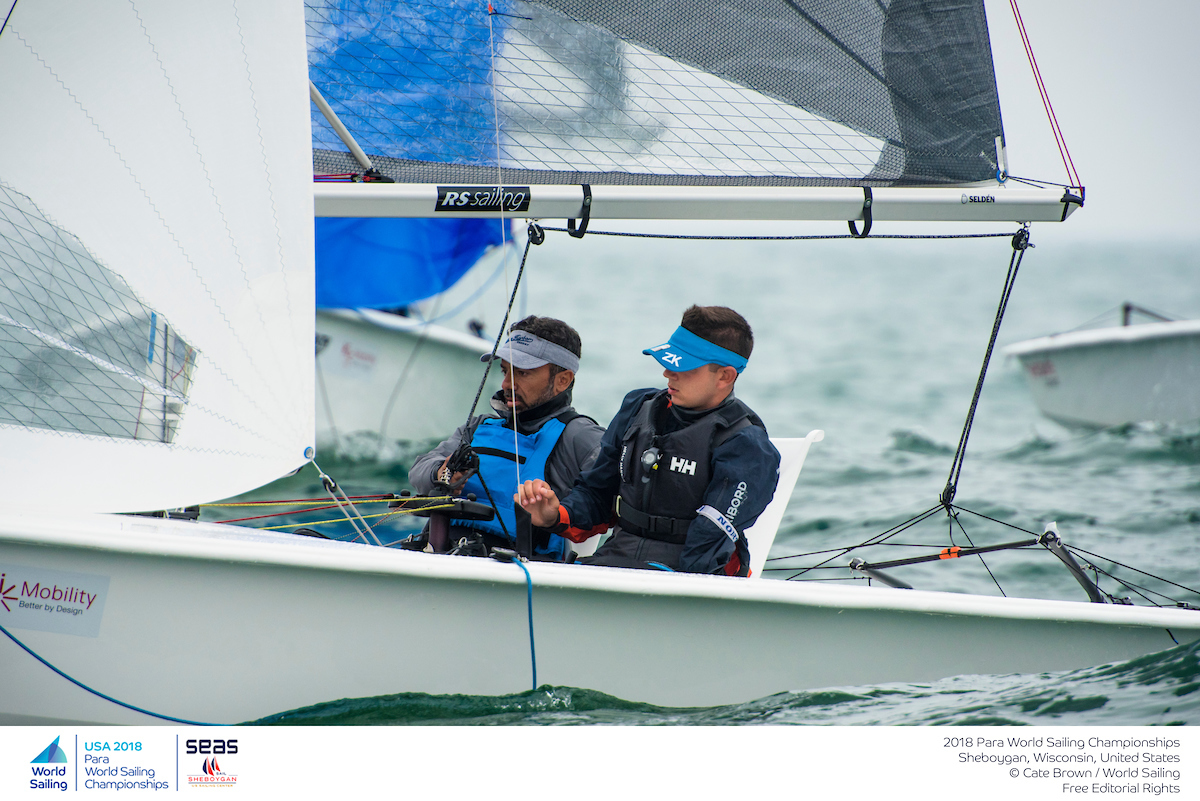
<point x="686" y="351"/>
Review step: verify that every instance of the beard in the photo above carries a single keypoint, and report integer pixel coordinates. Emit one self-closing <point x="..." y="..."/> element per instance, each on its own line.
<point x="520" y="405"/>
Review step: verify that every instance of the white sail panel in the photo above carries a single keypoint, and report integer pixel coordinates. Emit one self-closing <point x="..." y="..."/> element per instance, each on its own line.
<point x="670" y="119"/>
<point x="169" y="145"/>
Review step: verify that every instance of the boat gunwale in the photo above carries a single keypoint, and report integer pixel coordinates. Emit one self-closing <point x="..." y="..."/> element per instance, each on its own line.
<point x="213" y="542"/>
<point x="1096" y="337"/>
<point x="376" y="319"/>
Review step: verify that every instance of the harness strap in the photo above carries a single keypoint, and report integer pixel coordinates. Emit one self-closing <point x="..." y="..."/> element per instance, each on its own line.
<point x="672" y="530"/>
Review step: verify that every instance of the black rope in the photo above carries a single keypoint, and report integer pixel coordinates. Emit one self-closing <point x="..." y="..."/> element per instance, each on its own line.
<point x="978" y="552"/>
<point x="492" y="500"/>
<point x="1140" y="591"/>
<point x="994" y="520"/>
<point x="536" y="237"/>
<point x="883" y="539"/>
<point x="1135" y="570"/>
<point x="1020" y="243"/>
<point x="781" y="238"/>
<point x="533" y="239"/>
<point x="878" y="539"/>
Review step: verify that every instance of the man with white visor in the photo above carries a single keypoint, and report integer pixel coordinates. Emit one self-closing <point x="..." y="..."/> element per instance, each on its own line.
<point x="682" y="471"/>
<point x="552" y="442"/>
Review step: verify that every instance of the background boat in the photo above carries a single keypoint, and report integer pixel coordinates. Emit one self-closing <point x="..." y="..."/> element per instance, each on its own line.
<point x="403" y="308"/>
<point x="1100" y="377"/>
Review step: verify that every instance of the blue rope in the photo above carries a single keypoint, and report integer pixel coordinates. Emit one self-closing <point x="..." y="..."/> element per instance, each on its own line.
<point x="30" y="651"/>
<point x="529" y="596"/>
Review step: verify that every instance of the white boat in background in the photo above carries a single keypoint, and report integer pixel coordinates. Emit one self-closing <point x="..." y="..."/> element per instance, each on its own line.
<point x="1103" y="377"/>
<point x="180" y="194"/>
<point x="392" y="376"/>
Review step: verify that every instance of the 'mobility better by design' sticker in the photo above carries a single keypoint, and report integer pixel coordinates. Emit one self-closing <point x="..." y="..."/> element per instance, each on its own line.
<point x="51" y="600"/>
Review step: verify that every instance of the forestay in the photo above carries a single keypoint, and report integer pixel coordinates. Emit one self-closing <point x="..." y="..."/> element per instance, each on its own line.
<point x="156" y="307"/>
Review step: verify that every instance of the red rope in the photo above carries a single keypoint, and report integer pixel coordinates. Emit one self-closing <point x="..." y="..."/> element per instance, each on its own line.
<point x="279" y="514"/>
<point x="1059" y="139"/>
<point x="385" y="496"/>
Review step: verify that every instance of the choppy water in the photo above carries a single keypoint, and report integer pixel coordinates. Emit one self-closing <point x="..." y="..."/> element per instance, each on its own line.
<point x="879" y="344"/>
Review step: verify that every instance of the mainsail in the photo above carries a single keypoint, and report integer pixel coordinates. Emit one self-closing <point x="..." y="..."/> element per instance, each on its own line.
<point x="775" y="92"/>
<point x="630" y="94"/>
<point x="156" y="300"/>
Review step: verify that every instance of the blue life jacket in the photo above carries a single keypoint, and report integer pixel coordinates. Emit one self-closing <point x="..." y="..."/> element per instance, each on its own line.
<point x="493" y="442"/>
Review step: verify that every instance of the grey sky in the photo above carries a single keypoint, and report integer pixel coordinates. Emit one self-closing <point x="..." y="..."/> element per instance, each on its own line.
<point x="1125" y="84"/>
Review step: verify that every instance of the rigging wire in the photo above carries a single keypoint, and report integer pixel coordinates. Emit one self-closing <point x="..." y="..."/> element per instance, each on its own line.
<point x="1142" y="591"/>
<point x="412" y="358"/>
<point x="331" y="486"/>
<point x="491" y="12"/>
<point x="1059" y="139"/>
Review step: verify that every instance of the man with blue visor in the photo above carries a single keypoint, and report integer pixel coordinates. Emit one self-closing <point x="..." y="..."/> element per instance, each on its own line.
<point x="682" y="471"/>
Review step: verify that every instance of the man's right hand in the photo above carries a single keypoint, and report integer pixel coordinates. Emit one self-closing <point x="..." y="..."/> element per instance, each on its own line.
<point x="539" y="500"/>
<point x="456" y="480"/>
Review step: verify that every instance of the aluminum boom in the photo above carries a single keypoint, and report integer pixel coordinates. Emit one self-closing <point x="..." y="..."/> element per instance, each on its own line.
<point x="989" y="203"/>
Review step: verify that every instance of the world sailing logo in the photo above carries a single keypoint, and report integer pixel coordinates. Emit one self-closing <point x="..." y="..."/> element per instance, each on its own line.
<point x="47" y="778"/>
<point x="51" y="754"/>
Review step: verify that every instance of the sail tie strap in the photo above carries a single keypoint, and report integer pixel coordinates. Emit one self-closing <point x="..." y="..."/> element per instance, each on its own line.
<point x="866" y="216"/>
<point x="585" y="214"/>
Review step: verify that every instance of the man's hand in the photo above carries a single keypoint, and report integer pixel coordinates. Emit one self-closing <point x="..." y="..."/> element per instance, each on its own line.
<point x="539" y="500"/>
<point x="456" y="480"/>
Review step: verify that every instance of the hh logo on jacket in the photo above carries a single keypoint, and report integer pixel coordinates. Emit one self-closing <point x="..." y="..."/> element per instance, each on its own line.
<point x="683" y="466"/>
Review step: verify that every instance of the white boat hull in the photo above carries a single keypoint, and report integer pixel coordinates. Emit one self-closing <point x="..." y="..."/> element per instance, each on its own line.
<point x="368" y="379"/>
<point x="1113" y="376"/>
<point x="220" y="624"/>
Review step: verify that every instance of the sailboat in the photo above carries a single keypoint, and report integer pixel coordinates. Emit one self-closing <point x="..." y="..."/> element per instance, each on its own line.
<point x="384" y="368"/>
<point x="1111" y="376"/>
<point x="157" y="217"/>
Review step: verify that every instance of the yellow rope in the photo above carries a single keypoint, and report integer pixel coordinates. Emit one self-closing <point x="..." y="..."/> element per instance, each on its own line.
<point x="323" y="503"/>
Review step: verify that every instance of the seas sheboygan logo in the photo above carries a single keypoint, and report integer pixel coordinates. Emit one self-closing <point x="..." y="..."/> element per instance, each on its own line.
<point x="210" y="774"/>
<point x="46" y="777"/>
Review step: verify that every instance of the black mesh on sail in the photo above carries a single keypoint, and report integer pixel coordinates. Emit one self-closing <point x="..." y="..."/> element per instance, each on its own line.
<point x="739" y="92"/>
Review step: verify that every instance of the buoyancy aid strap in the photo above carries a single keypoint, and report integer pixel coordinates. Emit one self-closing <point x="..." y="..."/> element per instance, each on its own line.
<point x="672" y="530"/>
